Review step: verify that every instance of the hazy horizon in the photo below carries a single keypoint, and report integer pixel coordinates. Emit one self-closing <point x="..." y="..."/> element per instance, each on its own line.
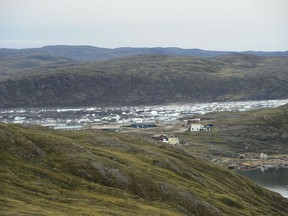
<point x="223" y="25"/>
<point x="196" y="48"/>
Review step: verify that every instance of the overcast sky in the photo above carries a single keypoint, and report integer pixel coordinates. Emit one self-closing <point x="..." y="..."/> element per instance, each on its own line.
<point x="235" y="25"/>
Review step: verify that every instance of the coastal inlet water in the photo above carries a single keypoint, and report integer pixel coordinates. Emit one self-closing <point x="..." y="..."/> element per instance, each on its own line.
<point x="274" y="179"/>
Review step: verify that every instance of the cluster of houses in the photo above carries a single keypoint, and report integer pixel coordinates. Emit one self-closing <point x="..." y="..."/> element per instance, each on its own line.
<point x="195" y="125"/>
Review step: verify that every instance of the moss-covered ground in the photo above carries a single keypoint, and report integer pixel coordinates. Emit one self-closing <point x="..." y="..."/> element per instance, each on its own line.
<point x="45" y="172"/>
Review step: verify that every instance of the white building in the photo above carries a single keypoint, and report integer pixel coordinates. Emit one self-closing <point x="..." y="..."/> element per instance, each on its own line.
<point x="195" y="127"/>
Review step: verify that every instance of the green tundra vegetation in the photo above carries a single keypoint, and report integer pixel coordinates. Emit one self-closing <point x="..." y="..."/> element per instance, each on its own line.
<point x="234" y="133"/>
<point x="45" y="172"/>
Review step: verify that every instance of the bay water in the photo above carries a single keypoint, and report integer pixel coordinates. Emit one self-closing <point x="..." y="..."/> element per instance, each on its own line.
<point x="274" y="179"/>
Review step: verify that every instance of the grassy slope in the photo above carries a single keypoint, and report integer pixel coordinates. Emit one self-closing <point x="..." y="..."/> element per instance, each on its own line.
<point x="72" y="173"/>
<point x="148" y="79"/>
<point x="255" y="131"/>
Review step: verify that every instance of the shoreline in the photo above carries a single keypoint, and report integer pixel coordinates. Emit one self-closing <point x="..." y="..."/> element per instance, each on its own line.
<point x="253" y="162"/>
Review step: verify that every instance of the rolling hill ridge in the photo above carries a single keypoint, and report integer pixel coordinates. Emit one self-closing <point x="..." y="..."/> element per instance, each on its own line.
<point x="90" y="53"/>
<point x="143" y="79"/>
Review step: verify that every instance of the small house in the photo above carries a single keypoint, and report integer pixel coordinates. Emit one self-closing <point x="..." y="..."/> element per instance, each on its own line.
<point x="173" y="141"/>
<point x="195" y="127"/>
<point x="195" y="120"/>
<point x="160" y="137"/>
<point x="164" y="138"/>
<point x="204" y="128"/>
<point x="210" y="125"/>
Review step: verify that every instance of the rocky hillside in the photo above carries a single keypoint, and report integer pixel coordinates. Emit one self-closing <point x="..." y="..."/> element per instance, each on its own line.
<point x="86" y="173"/>
<point x="144" y="79"/>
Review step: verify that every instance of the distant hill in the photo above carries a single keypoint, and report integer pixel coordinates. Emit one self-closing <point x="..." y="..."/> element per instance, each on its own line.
<point x="90" y="53"/>
<point x="142" y="79"/>
<point x="46" y="172"/>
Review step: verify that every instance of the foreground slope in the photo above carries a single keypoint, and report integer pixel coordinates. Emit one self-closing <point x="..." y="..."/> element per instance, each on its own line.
<point x="86" y="173"/>
<point x="148" y="79"/>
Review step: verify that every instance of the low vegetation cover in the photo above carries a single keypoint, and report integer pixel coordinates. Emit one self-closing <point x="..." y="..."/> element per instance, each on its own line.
<point x="46" y="172"/>
<point x="48" y="81"/>
<point x="251" y="132"/>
